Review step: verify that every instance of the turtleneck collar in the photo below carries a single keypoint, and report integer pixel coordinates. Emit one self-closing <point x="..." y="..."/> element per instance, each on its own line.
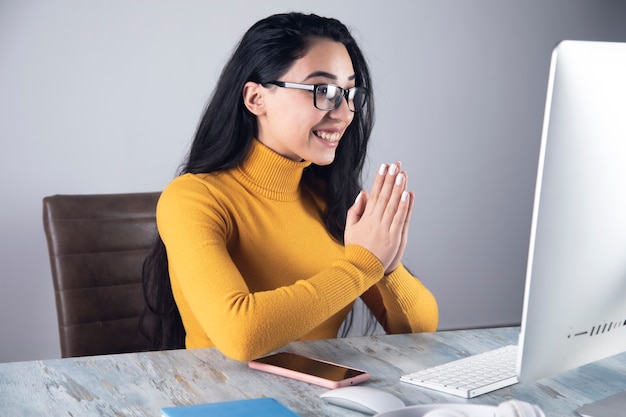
<point x="271" y="174"/>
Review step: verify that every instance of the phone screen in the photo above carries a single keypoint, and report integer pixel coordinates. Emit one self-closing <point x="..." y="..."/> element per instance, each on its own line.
<point x="310" y="366"/>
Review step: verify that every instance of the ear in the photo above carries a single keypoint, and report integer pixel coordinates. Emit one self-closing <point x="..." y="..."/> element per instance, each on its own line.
<point x="253" y="95"/>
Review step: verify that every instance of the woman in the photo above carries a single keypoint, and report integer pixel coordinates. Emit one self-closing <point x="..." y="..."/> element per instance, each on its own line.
<point x="263" y="242"/>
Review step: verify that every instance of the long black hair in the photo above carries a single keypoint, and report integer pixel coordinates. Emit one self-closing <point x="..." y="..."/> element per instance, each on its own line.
<point x="266" y="51"/>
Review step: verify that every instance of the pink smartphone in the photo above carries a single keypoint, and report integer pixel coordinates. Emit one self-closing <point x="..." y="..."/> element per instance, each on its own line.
<point x="313" y="371"/>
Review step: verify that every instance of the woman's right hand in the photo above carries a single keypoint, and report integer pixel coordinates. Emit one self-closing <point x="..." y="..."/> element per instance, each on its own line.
<point x="377" y="221"/>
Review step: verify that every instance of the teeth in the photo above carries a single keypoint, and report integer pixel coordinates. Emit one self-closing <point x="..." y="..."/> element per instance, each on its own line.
<point x="330" y="137"/>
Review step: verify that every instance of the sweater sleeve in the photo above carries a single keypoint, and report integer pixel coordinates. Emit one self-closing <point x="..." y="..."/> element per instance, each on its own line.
<point x="402" y="304"/>
<point x="213" y="296"/>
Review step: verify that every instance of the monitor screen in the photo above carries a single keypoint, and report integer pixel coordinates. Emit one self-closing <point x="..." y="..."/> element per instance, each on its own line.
<point x="575" y="297"/>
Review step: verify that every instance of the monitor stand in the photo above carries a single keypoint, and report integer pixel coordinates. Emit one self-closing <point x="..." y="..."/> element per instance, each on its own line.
<point x="608" y="407"/>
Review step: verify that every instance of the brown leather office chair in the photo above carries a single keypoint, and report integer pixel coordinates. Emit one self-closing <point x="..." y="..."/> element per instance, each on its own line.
<point x="97" y="245"/>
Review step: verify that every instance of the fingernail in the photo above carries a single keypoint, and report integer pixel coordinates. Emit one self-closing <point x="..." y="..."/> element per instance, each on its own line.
<point x="382" y="169"/>
<point x="399" y="179"/>
<point x="393" y="169"/>
<point x="405" y="195"/>
<point x="358" y="197"/>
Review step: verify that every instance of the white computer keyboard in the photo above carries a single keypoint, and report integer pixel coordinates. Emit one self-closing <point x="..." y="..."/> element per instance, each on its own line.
<point x="471" y="376"/>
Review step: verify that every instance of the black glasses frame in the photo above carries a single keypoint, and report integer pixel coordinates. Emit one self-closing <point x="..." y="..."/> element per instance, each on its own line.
<point x="349" y="94"/>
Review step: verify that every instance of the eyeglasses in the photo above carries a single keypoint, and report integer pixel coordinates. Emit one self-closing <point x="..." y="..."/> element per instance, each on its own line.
<point x="328" y="96"/>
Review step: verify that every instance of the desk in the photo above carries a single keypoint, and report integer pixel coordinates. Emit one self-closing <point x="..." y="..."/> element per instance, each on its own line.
<point x="139" y="384"/>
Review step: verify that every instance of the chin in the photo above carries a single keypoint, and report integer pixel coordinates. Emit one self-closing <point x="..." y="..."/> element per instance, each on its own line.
<point x="323" y="160"/>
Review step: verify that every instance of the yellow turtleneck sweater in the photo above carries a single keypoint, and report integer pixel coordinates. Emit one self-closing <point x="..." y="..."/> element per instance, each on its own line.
<point x="253" y="268"/>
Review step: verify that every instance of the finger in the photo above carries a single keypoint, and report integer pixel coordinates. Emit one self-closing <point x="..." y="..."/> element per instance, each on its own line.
<point x="397" y="226"/>
<point x="407" y="220"/>
<point x="356" y="210"/>
<point x="396" y="198"/>
<point x="405" y="234"/>
<point x="386" y="192"/>
<point x="411" y="201"/>
<point x="376" y="186"/>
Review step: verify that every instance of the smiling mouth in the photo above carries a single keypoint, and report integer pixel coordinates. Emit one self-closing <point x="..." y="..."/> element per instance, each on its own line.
<point x="328" y="137"/>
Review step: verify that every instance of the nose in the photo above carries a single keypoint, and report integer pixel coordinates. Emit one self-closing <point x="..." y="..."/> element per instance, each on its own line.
<point x="342" y="112"/>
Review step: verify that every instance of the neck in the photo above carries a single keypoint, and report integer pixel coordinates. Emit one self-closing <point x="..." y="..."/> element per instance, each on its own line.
<point x="271" y="173"/>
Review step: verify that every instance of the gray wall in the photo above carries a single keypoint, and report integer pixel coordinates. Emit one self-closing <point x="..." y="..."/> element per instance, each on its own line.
<point x="103" y="97"/>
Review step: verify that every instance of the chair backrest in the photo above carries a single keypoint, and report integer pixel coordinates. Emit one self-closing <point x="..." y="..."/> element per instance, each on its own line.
<point x="97" y="245"/>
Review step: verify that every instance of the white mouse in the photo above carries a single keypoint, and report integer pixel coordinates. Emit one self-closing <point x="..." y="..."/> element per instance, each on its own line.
<point x="363" y="399"/>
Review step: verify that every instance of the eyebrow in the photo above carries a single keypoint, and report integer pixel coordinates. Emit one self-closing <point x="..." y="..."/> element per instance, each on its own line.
<point x="326" y="75"/>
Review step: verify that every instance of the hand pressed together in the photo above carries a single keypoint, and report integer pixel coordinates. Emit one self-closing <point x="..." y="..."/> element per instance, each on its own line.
<point x="379" y="221"/>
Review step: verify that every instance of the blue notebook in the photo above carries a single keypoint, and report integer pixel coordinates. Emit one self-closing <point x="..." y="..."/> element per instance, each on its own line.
<point x="257" y="407"/>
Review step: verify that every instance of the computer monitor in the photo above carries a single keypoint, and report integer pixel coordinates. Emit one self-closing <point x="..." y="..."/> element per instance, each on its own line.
<point x="575" y="297"/>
